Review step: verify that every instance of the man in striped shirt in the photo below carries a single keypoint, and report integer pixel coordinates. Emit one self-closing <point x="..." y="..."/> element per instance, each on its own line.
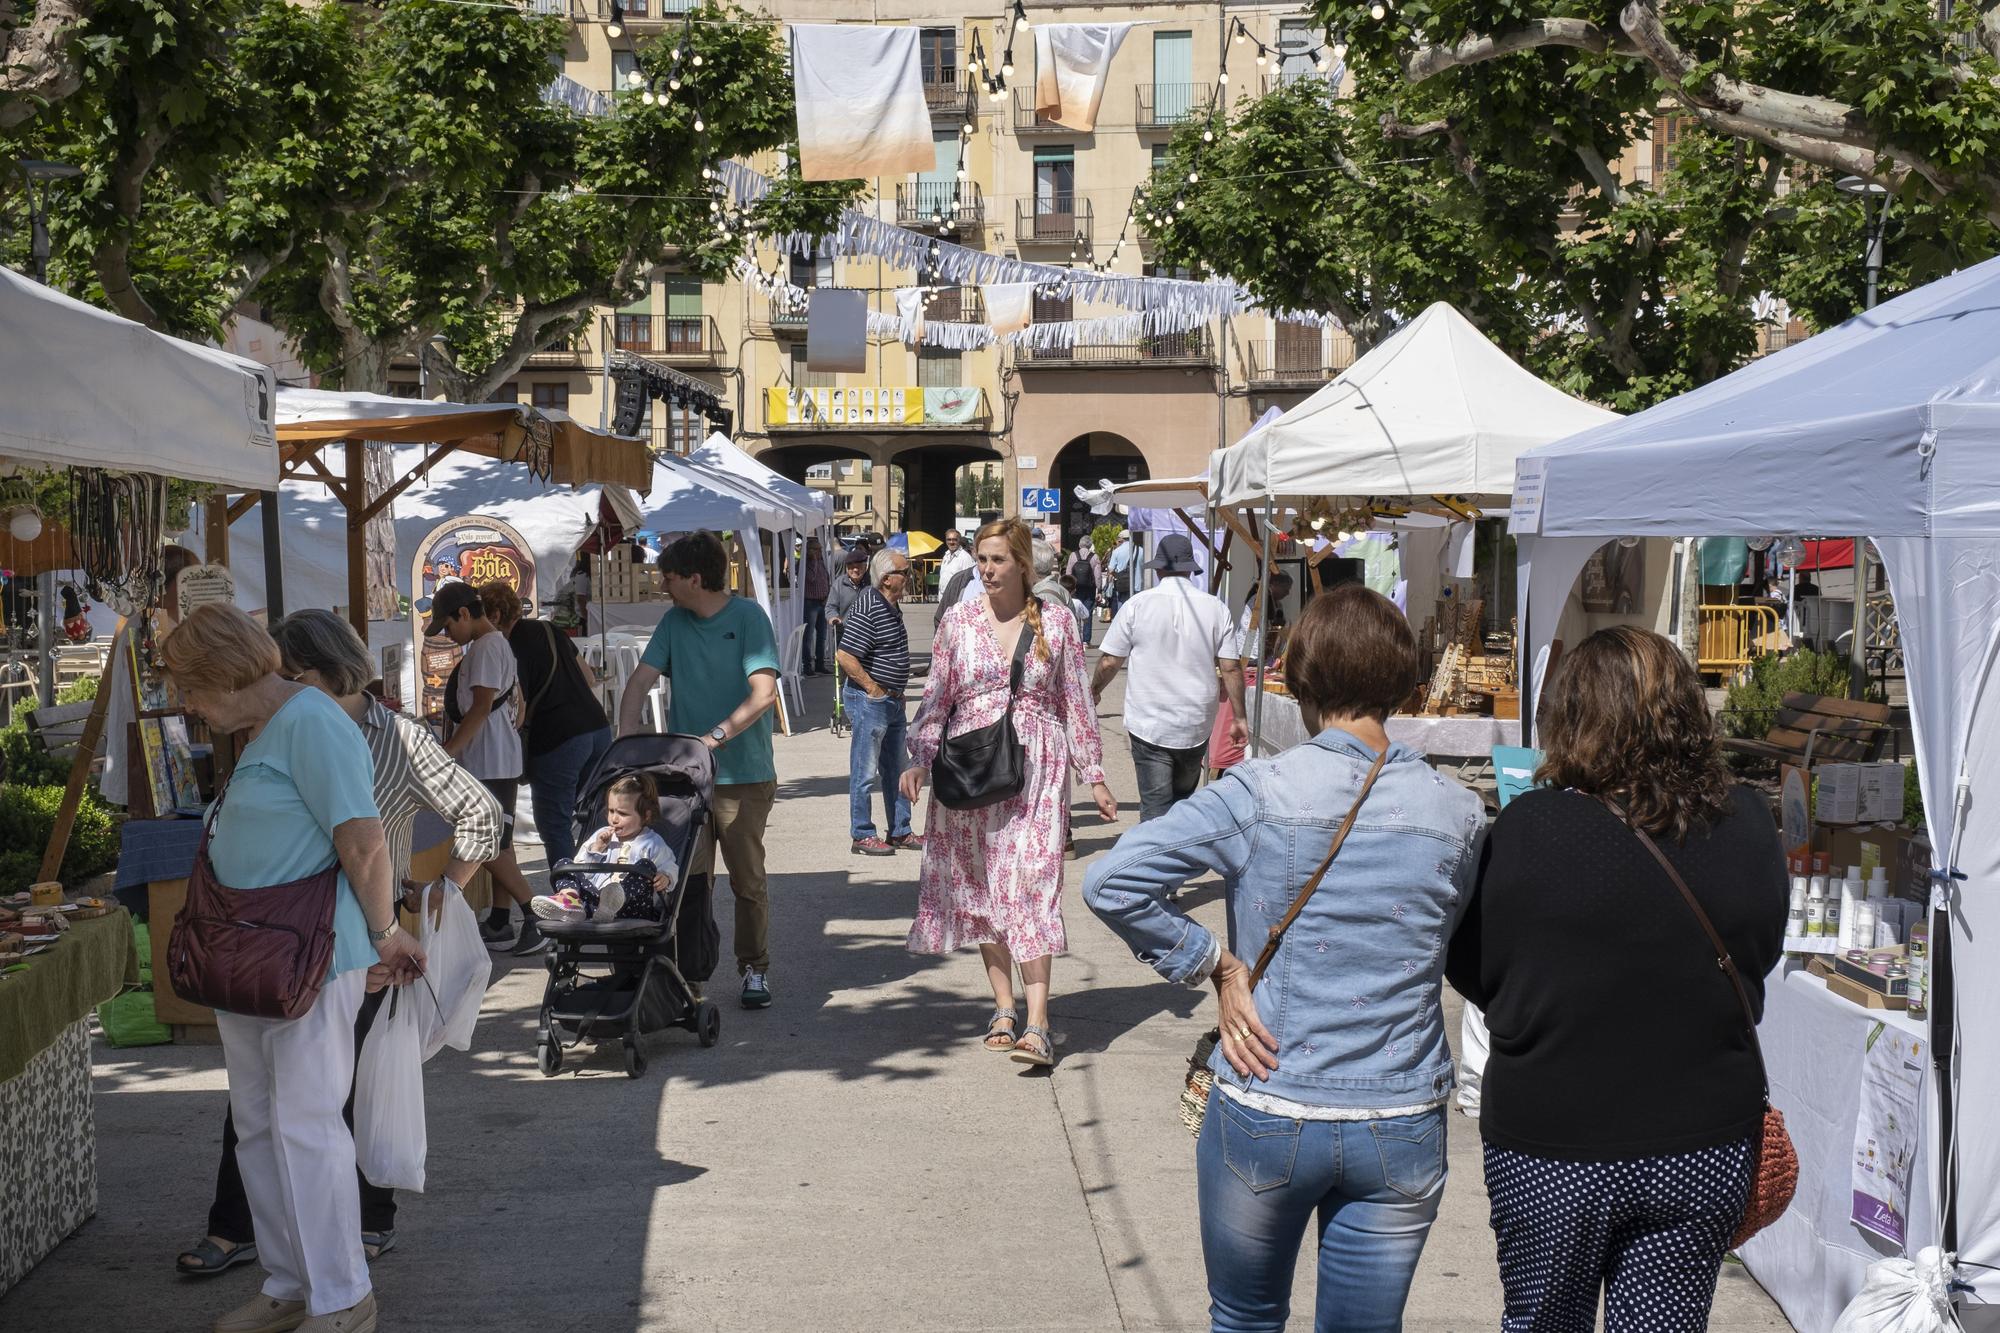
<point x="874" y="653"/>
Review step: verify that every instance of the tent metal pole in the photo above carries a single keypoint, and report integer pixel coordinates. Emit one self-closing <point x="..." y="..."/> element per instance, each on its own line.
<point x="274" y="558"/>
<point x="357" y="537"/>
<point x="45" y="635"/>
<point x="1264" y="594"/>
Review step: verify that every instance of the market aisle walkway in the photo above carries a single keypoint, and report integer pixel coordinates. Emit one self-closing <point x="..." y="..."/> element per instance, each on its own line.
<point x="849" y="1159"/>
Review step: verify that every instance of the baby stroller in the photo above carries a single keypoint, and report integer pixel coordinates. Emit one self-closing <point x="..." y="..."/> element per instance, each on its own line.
<point x="652" y="970"/>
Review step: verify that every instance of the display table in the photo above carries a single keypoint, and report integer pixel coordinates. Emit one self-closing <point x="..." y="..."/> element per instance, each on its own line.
<point x="154" y="861"/>
<point x="1813" y="1259"/>
<point x="1439" y="737"/>
<point x="48" y="1130"/>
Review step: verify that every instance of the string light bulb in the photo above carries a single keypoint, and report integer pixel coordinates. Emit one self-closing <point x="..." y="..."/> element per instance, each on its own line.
<point x="1261" y="56"/>
<point x="1378" y="11"/>
<point x="1319" y="62"/>
<point x="696" y="62"/>
<point x="972" y="65"/>
<point x="646" y="95"/>
<point x="675" y="55"/>
<point x="1208" y="136"/>
<point x="1340" y="50"/>
<point x="615" y="27"/>
<point x="1224" y="76"/>
<point x="674" y="84"/>
<point x="1239" y="34"/>
<point x="698" y="126"/>
<point x="1007" y="69"/>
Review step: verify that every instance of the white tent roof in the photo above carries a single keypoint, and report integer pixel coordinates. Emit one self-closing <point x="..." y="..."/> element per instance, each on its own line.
<point x="1189" y="493"/>
<point x="1886" y="425"/>
<point x="80" y="387"/>
<point x="685" y="496"/>
<point x="1436" y="409"/>
<point x="719" y="453"/>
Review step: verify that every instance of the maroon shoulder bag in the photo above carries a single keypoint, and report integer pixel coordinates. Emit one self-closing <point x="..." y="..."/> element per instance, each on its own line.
<point x="263" y="953"/>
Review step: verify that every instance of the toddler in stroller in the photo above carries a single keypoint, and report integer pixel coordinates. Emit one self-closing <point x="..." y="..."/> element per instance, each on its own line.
<point x="631" y="804"/>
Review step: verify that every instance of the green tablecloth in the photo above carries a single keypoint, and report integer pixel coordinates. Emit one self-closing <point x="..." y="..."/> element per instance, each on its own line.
<point x="91" y="963"/>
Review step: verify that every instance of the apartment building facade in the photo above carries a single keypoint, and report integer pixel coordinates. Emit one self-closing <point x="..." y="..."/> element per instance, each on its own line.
<point x="1146" y="407"/>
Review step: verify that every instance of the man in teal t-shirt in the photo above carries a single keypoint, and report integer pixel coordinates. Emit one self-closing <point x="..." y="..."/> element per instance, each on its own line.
<point x="722" y="660"/>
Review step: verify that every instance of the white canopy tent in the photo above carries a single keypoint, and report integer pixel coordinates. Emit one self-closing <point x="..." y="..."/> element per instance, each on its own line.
<point x="1435" y="409"/>
<point x="1888" y="426"/>
<point x="720" y="454"/>
<point x="85" y="388"/>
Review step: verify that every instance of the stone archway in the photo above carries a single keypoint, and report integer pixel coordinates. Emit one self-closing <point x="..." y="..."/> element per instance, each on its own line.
<point x="1090" y="460"/>
<point x="868" y="495"/>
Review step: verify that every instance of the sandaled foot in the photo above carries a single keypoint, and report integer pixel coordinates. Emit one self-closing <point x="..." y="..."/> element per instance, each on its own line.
<point x="375" y="1244"/>
<point x="1035" y="1046"/>
<point x="997" y="1037"/>
<point x="210" y="1256"/>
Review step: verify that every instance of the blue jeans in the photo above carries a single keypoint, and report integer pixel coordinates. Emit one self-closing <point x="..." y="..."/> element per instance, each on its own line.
<point x="814" y="652"/>
<point x="1166" y="777"/>
<point x="1375" y="1186"/>
<point x="877" y="749"/>
<point x="552" y="778"/>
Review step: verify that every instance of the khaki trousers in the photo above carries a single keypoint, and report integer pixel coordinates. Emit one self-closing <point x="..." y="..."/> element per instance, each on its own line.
<point x="741" y="811"/>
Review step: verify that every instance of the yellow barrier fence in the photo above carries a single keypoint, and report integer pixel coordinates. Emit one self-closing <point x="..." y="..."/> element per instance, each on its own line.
<point x="1732" y="635"/>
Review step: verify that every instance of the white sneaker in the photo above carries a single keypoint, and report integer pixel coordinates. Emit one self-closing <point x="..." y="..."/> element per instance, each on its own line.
<point x="564" y="905"/>
<point x="609" y="900"/>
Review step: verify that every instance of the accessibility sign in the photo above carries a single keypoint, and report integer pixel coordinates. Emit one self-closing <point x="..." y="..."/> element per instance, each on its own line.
<point x="1041" y="500"/>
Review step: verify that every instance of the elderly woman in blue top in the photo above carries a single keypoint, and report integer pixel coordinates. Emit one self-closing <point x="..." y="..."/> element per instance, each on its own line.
<point x="300" y="798"/>
<point x="1331" y="1079"/>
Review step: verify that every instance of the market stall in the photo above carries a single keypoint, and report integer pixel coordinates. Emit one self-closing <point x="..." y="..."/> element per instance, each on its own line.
<point x="121" y="409"/>
<point x="1888" y="426"/>
<point x="1418" y="437"/>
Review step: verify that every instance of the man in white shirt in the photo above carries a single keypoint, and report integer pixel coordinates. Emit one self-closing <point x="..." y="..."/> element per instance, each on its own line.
<point x="1179" y="640"/>
<point x="1119" y="566"/>
<point x="957" y="556"/>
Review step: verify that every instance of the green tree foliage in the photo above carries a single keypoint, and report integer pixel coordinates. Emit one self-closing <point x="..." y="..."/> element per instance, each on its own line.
<point x="1494" y="155"/>
<point x="373" y="180"/>
<point x="28" y="816"/>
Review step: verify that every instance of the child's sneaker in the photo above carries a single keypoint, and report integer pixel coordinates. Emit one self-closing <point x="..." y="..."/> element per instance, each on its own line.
<point x="610" y="899"/>
<point x="562" y="905"/>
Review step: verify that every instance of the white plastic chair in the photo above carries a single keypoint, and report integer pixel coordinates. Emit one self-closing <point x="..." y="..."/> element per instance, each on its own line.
<point x="788" y="669"/>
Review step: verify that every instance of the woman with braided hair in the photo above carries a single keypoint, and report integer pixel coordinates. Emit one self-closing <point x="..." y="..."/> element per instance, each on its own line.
<point x="994" y="876"/>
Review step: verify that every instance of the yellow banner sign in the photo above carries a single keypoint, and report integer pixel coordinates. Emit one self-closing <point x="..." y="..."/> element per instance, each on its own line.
<point x="900" y="405"/>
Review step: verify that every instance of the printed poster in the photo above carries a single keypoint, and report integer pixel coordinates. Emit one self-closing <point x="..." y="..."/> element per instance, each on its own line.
<point x="1885" y="1132"/>
<point x="475" y="549"/>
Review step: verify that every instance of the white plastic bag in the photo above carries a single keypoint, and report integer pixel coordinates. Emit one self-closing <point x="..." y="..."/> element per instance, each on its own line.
<point x="457" y="968"/>
<point x="389" y="1136"/>
<point x="1903" y="1296"/>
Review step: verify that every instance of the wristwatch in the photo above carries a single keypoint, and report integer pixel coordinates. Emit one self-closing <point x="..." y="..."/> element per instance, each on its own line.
<point x="718" y="735"/>
<point x="377" y="936"/>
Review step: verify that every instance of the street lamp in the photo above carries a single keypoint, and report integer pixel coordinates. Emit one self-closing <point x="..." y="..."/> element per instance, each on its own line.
<point x="35" y="173"/>
<point x="423" y="376"/>
<point x="1872" y="220"/>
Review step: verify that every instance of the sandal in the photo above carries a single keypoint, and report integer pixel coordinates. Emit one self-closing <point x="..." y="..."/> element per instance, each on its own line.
<point x="1045" y="1058"/>
<point x="996" y="1040"/>
<point x="205" y="1258"/>
<point x="375" y="1244"/>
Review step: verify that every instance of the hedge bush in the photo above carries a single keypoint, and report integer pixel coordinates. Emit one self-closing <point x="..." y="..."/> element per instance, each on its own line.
<point x="23" y="761"/>
<point x="28" y="816"/>
<point x="1752" y="703"/>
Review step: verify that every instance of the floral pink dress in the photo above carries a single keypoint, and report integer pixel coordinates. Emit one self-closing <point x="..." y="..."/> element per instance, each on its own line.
<point x="995" y="876"/>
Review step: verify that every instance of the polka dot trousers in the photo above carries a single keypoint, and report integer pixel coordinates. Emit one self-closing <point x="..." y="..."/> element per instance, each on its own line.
<point x="1648" y="1234"/>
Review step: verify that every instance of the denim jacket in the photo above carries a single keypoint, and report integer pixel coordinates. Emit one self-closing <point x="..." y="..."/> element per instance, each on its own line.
<point x="1353" y="995"/>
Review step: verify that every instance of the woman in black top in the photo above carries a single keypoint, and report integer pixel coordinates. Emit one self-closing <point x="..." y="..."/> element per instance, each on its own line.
<point x="1623" y="1094"/>
<point x="566" y="732"/>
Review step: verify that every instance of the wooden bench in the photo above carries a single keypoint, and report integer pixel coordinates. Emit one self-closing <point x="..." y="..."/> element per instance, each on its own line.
<point x="59" y="730"/>
<point x="1818" y="729"/>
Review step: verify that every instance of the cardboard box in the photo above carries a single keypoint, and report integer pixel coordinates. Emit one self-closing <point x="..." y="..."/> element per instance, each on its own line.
<point x="1858" y="975"/>
<point x="1863" y="996"/>
<point x="1906" y="856"/>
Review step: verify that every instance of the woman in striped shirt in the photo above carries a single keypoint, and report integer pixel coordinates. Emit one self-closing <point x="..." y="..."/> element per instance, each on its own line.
<point x="412" y="772"/>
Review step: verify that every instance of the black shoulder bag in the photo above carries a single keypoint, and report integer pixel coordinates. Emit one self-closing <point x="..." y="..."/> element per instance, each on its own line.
<point x="988" y="765"/>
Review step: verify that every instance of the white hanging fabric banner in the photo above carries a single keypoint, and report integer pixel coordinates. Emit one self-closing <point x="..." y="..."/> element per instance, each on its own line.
<point x="1072" y="61"/>
<point x="860" y="96"/>
<point x="1010" y="306"/>
<point x="910" y="314"/>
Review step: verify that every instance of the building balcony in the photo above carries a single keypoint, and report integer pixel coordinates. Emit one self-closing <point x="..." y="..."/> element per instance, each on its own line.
<point x="692" y="340"/>
<point x="639" y="14"/>
<point x="1190" y="348"/>
<point x="1301" y="362"/>
<point x="875" y="407"/>
<point x="1057" y="219"/>
<point x="956" y="305"/>
<point x="919" y="201"/>
<point x="949" y="94"/>
<point x="573" y="354"/>
<point x="1025" y="119"/>
<point x="1163" y="106"/>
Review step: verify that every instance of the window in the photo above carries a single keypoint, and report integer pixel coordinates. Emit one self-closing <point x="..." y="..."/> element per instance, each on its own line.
<point x="551" y="393"/>
<point x="634" y="333"/>
<point x="843" y="502"/>
<point x="938" y="48"/>
<point x="403" y="389"/>
<point x="939" y="368"/>
<point x="625" y="70"/>
<point x="1159" y="158"/>
<point x="803" y="376"/>
<point x="1295" y="347"/>
<point x="1051" y="309"/>
<point x="1666" y="146"/>
<point x="1296" y="47"/>
<point x="1173" y="76"/>
<point x="686" y="328"/>
<point x="812" y="271"/>
<point x="1055" y="192"/>
<point x="683" y="431"/>
<point x="510" y="392"/>
<point x="1166" y="271"/>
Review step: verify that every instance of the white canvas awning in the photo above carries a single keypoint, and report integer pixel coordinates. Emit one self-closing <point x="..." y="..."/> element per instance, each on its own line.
<point x="81" y="387"/>
<point x="721" y="454"/>
<point x="686" y="497"/>
<point x="1436" y="409"/>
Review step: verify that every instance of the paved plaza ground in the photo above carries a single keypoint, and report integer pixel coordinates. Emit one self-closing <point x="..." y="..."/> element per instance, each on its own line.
<point x="849" y="1159"/>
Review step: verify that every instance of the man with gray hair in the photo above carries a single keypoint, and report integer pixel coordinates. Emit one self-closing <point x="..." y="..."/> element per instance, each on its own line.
<point x="1048" y="583"/>
<point x="874" y="656"/>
